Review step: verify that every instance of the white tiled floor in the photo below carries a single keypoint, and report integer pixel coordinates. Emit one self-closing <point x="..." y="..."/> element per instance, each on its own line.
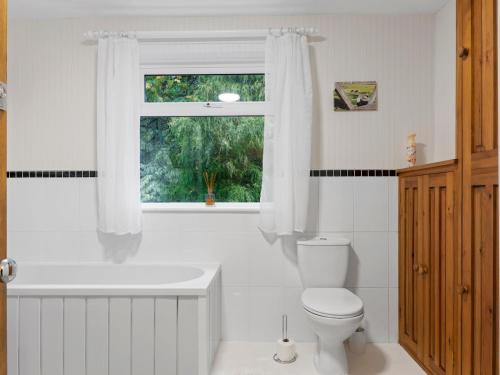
<point x="249" y="358"/>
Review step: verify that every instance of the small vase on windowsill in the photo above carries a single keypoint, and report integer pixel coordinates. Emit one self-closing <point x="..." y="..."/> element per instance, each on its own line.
<point x="210" y="182"/>
<point x="210" y="199"/>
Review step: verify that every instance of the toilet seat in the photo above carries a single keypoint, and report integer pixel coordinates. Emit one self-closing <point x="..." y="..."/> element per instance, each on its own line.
<point x="336" y="303"/>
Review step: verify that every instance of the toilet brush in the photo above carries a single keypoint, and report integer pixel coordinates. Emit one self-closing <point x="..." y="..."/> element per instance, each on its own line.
<point x="285" y="348"/>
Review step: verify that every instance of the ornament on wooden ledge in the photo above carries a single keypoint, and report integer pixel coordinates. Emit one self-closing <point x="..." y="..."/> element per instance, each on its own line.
<point x="411" y="150"/>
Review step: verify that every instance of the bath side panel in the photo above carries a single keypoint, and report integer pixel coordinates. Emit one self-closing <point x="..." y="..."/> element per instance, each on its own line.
<point x="143" y="336"/>
<point x="52" y="335"/>
<point x="74" y="336"/>
<point x="187" y="342"/>
<point x="166" y="336"/>
<point x="97" y="335"/>
<point x="120" y="346"/>
<point x="29" y="336"/>
<point x="12" y="335"/>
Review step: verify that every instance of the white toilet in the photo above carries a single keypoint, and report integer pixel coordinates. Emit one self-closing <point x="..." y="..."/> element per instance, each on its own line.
<point x="334" y="312"/>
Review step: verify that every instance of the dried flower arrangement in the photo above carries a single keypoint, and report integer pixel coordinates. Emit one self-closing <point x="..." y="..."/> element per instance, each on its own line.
<point x="210" y="182"/>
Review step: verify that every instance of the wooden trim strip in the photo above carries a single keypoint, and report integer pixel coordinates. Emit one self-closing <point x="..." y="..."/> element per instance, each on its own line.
<point x="438" y="167"/>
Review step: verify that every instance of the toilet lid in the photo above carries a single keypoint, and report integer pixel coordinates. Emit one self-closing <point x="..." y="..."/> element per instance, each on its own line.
<point x="332" y="302"/>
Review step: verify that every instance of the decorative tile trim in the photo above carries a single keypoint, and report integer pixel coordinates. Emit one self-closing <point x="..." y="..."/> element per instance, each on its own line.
<point x="51" y="174"/>
<point x="313" y="173"/>
<point x="353" y="173"/>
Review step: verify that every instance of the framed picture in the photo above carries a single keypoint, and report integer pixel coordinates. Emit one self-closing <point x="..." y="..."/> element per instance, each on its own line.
<point x="355" y="96"/>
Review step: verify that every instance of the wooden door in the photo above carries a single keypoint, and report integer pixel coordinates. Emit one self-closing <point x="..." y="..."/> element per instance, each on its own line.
<point x="437" y="271"/>
<point x="3" y="187"/>
<point x="428" y="253"/>
<point x="477" y="148"/>
<point x="409" y="297"/>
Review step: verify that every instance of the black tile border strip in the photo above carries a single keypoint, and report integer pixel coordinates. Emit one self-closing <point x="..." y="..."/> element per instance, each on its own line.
<point x="313" y="173"/>
<point x="353" y="173"/>
<point x="51" y="174"/>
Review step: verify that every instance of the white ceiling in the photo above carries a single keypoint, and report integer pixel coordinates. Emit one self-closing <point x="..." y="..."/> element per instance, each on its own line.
<point x="83" y="8"/>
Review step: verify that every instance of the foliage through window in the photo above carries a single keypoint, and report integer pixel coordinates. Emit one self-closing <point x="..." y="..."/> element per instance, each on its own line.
<point x="203" y="87"/>
<point x="177" y="150"/>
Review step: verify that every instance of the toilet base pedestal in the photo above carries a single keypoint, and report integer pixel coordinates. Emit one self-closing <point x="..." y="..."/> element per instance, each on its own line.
<point x="330" y="359"/>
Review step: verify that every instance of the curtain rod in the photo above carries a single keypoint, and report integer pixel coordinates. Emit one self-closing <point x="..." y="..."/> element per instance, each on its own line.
<point x="222" y="34"/>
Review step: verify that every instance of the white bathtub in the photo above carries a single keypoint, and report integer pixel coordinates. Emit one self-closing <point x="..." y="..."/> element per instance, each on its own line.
<point x="103" y="319"/>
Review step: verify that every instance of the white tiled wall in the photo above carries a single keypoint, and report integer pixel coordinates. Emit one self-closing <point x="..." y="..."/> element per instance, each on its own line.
<point x="55" y="220"/>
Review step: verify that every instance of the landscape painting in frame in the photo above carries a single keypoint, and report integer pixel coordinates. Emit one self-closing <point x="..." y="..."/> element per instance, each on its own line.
<point x="355" y="96"/>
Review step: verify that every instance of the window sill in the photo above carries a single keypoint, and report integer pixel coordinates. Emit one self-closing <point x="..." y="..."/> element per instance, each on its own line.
<point x="202" y="208"/>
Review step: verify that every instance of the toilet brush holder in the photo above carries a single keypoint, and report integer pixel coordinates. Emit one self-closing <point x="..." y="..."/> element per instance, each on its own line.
<point x="285" y="347"/>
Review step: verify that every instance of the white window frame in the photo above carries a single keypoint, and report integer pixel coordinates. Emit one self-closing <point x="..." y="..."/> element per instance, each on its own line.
<point x="201" y="109"/>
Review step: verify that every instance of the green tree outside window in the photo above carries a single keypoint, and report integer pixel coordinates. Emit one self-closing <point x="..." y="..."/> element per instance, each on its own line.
<point x="175" y="151"/>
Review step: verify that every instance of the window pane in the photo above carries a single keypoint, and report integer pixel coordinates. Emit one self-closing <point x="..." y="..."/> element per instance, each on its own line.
<point x="176" y="151"/>
<point x="203" y="87"/>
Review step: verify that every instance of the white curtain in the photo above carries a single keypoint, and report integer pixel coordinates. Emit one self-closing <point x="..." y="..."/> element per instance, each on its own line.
<point x="118" y="137"/>
<point x="287" y="135"/>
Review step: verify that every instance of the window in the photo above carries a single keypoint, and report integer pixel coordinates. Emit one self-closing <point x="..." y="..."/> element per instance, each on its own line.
<point x="186" y="130"/>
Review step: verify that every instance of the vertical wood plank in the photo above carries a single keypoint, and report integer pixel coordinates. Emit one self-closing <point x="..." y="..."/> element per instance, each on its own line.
<point x="29" y="336"/>
<point x="418" y="248"/>
<point x="402" y="272"/>
<point x="425" y="258"/>
<point x="465" y="145"/>
<point x="477" y="290"/>
<point x="74" y="336"/>
<point x="451" y="261"/>
<point x="410" y="252"/>
<point x="488" y="60"/>
<point x="404" y="264"/>
<point x="187" y="341"/>
<point x="52" y="336"/>
<point x="477" y="128"/>
<point x="166" y="336"/>
<point x="441" y="265"/>
<point x="438" y="264"/>
<point x="12" y="335"/>
<point x="97" y="336"/>
<point x="496" y="283"/>
<point x="120" y="336"/>
<point x="143" y="336"/>
<point x="487" y="277"/>
<point x="410" y="263"/>
<point x="433" y="288"/>
<point x="459" y="191"/>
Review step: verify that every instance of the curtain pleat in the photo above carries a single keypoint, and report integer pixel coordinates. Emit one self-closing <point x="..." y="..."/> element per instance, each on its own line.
<point x="287" y="135"/>
<point x="118" y="136"/>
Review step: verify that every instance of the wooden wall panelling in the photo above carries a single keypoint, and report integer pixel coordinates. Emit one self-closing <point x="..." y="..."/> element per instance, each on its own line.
<point x="428" y="253"/>
<point x="460" y="291"/>
<point x="408" y="263"/>
<point x="483" y="60"/>
<point x="480" y="347"/>
<point x="477" y="283"/>
<point x="464" y="145"/>
<point x="439" y="249"/>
